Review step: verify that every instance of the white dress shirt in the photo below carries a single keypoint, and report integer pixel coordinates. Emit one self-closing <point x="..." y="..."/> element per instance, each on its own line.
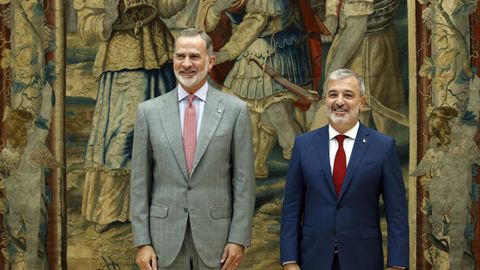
<point x="198" y="103"/>
<point x="348" y="143"/>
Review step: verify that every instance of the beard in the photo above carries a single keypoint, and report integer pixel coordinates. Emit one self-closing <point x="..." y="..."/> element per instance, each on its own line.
<point x="191" y="81"/>
<point x="352" y="114"/>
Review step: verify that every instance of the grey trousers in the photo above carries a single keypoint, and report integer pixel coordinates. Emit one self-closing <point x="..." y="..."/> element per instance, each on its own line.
<point x="188" y="258"/>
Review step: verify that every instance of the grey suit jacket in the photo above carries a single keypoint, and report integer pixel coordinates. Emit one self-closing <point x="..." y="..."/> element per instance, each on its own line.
<point x="218" y="198"/>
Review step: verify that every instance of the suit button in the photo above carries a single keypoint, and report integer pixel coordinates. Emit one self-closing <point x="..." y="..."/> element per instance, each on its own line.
<point x="185" y="210"/>
<point x="189" y="188"/>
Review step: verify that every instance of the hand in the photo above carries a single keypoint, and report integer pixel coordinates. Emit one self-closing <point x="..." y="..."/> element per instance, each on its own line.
<point x="221" y="5"/>
<point x="146" y="258"/>
<point x="232" y="256"/>
<point x="313" y="95"/>
<point x="111" y="16"/>
<point x="221" y="57"/>
<point x="111" y="10"/>
<point x="331" y="23"/>
<point x="291" y="266"/>
<point x="237" y="6"/>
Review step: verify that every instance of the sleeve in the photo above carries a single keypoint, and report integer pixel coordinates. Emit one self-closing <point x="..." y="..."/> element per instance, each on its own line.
<point x="348" y="41"/>
<point x="168" y="8"/>
<point x="395" y="202"/>
<point x="206" y="20"/>
<point x="247" y="32"/>
<point x="331" y="7"/>
<point x="141" y="181"/>
<point x="243" y="180"/>
<point x="358" y="7"/>
<point x="90" y="25"/>
<point x="350" y="8"/>
<point x="293" y="208"/>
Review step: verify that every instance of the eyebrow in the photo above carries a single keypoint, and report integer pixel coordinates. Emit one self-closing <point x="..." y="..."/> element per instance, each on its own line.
<point x="347" y="91"/>
<point x="191" y="54"/>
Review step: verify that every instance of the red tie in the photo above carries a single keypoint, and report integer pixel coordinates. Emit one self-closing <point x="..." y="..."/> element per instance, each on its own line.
<point x="189" y="133"/>
<point x="339" y="165"/>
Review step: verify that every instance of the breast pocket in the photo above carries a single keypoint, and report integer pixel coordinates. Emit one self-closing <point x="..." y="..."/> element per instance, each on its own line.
<point x="220" y="138"/>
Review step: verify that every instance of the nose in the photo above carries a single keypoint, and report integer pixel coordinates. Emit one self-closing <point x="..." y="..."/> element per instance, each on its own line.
<point x="340" y="100"/>
<point x="186" y="62"/>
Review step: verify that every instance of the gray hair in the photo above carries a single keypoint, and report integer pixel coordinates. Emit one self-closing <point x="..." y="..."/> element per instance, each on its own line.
<point x="340" y="74"/>
<point x="193" y="32"/>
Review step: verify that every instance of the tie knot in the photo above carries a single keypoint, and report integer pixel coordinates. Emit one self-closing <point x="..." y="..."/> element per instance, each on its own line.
<point x="340" y="138"/>
<point x="190" y="99"/>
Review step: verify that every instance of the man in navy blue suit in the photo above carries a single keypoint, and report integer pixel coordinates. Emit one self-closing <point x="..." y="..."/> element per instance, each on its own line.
<point x="330" y="215"/>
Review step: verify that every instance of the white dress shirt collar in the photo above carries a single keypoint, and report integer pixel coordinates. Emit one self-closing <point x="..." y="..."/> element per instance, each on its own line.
<point x="200" y="93"/>
<point x="351" y="133"/>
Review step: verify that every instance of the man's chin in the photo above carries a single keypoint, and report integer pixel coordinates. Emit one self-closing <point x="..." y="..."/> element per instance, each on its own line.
<point x="338" y="119"/>
<point x="188" y="83"/>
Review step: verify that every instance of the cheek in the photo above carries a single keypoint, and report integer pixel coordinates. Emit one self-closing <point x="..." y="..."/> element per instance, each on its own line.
<point x="329" y="103"/>
<point x="177" y="65"/>
<point x="208" y="65"/>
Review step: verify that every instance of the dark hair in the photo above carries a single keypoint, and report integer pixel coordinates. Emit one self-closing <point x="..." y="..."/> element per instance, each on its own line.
<point x="193" y="32"/>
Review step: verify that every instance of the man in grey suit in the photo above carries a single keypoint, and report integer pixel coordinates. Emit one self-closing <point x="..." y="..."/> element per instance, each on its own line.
<point x="192" y="183"/>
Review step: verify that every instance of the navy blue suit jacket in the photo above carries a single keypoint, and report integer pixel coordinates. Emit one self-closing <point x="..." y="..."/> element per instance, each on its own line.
<point x="314" y="219"/>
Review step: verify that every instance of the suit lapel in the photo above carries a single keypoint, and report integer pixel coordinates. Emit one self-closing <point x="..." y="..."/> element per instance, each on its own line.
<point x="323" y="155"/>
<point x="170" y="118"/>
<point x="212" y="114"/>
<point x="359" y="147"/>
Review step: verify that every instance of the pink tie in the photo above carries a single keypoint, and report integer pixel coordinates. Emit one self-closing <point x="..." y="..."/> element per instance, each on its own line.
<point x="339" y="165"/>
<point x="189" y="133"/>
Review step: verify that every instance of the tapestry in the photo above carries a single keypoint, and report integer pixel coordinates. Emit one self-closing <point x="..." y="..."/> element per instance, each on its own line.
<point x="73" y="72"/>
<point x="277" y="118"/>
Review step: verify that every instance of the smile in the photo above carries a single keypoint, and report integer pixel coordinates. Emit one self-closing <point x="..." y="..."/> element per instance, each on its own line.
<point x="188" y="73"/>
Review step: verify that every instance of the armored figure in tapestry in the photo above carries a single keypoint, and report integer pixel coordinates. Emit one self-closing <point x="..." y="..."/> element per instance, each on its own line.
<point x="133" y="63"/>
<point x="271" y="32"/>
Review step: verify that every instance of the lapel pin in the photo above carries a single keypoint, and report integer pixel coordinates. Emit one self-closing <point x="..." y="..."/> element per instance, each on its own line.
<point x="363" y="140"/>
<point x="219" y="110"/>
